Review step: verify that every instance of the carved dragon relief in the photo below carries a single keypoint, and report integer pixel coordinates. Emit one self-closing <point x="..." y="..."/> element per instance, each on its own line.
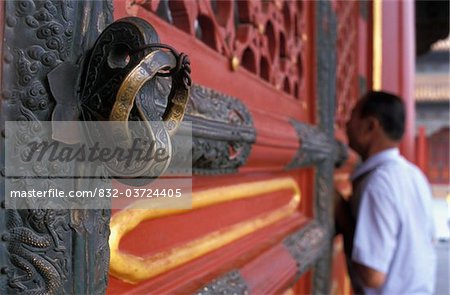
<point x="43" y="251"/>
<point x="38" y="248"/>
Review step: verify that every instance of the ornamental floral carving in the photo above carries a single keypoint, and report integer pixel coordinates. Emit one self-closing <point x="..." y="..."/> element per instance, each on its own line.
<point x="268" y="38"/>
<point x="347" y="14"/>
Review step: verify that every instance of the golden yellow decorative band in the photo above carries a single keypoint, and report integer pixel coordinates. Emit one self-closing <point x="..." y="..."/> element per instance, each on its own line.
<point x="134" y="269"/>
<point x="377" y="66"/>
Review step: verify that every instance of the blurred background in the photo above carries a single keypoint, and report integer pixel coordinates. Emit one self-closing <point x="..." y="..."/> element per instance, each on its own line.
<point x="432" y="96"/>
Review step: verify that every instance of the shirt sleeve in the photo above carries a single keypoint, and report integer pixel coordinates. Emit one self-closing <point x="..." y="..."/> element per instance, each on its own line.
<point x="376" y="230"/>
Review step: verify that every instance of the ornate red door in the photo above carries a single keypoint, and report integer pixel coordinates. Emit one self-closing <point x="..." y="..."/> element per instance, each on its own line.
<point x="262" y="106"/>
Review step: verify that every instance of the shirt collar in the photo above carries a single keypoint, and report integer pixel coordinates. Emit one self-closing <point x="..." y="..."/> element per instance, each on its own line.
<point x="374" y="161"/>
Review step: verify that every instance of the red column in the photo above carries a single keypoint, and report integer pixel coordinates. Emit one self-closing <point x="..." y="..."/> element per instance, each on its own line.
<point x="421" y="150"/>
<point x="408" y="69"/>
<point x="398" y="61"/>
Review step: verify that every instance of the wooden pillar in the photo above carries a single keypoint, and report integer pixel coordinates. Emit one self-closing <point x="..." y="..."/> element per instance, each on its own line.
<point x="421" y="150"/>
<point x="394" y="58"/>
<point x="407" y="73"/>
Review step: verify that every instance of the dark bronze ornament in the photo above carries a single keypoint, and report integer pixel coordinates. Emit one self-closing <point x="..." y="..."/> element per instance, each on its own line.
<point x="126" y="56"/>
<point x="222" y="128"/>
<point x="340" y="152"/>
<point x="53" y="71"/>
<point x="326" y="25"/>
<point x="47" y="251"/>
<point x="307" y="245"/>
<point x="230" y="283"/>
<point x="315" y="145"/>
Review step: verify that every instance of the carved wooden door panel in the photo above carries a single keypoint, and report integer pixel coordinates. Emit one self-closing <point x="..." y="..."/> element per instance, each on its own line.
<point x="261" y="106"/>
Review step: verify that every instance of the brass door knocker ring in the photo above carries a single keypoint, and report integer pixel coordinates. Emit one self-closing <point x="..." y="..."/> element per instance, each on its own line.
<point x="125" y="57"/>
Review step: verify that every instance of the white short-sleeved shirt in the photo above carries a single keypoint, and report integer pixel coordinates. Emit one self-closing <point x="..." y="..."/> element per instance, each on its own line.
<point x="394" y="230"/>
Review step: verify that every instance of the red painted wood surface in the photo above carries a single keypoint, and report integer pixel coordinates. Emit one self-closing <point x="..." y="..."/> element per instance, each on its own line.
<point x="280" y="264"/>
<point x="365" y="46"/>
<point x="162" y="233"/>
<point x="193" y="275"/>
<point x="274" y="82"/>
<point x="391" y="47"/>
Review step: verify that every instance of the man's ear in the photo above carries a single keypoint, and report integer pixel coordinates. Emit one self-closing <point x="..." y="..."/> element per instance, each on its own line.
<point x="372" y="124"/>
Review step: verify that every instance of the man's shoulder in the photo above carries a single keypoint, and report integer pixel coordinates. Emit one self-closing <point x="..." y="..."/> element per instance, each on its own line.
<point x="408" y="168"/>
<point x="396" y="165"/>
<point x="400" y="170"/>
<point x="391" y="171"/>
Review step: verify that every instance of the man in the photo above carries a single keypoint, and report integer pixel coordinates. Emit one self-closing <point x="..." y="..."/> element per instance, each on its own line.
<point x="387" y="222"/>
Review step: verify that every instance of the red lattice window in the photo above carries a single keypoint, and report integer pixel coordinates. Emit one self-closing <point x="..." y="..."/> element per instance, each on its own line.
<point x="265" y="37"/>
<point x="347" y="59"/>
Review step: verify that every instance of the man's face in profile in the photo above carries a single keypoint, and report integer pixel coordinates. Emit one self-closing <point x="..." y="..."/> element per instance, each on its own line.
<point x="355" y="129"/>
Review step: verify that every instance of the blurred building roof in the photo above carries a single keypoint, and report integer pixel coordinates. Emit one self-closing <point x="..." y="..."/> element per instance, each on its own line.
<point x="441" y="45"/>
<point x="433" y="73"/>
<point x="432" y="87"/>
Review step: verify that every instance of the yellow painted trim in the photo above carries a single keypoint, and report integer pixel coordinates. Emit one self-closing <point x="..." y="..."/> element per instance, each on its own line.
<point x="289" y="291"/>
<point x="377" y="44"/>
<point x="347" y="290"/>
<point x="134" y="269"/>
